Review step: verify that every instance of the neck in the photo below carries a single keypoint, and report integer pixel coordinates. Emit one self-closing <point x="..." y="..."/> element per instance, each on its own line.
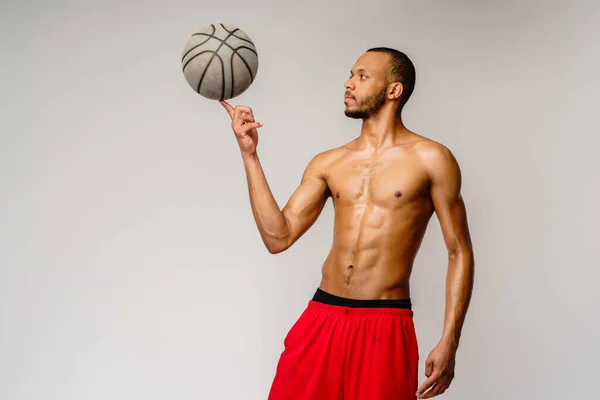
<point x="381" y="131"/>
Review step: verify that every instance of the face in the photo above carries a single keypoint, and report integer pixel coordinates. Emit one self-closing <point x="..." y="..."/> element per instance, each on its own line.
<point x="366" y="88"/>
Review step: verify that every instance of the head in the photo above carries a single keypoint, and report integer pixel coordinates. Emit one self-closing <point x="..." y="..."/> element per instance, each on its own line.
<point x="382" y="77"/>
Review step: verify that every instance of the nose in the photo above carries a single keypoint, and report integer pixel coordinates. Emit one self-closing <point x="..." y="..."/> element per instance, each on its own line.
<point x="348" y="85"/>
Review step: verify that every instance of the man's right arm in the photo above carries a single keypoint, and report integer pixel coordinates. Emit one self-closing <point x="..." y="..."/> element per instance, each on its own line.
<point x="280" y="228"/>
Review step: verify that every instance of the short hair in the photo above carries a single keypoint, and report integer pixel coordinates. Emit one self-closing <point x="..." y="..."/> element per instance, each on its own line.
<point x="401" y="69"/>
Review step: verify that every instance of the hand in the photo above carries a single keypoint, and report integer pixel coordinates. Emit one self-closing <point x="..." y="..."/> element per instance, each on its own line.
<point x="244" y="126"/>
<point x="439" y="369"/>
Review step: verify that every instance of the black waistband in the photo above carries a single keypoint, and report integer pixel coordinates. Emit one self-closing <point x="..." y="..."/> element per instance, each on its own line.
<point x="323" y="297"/>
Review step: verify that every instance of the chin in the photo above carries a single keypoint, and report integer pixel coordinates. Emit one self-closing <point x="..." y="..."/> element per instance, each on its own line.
<point x="353" y="113"/>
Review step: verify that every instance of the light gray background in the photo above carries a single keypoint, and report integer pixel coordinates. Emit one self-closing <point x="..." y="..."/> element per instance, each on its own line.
<point x="130" y="264"/>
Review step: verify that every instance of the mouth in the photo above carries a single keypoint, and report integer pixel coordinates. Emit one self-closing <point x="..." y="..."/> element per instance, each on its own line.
<point x="348" y="98"/>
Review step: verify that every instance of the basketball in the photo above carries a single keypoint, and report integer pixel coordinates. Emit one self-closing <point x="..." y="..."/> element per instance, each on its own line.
<point x="219" y="62"/>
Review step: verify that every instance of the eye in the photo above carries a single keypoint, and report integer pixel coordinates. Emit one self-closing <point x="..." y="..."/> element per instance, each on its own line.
<point x="363" y="77"/>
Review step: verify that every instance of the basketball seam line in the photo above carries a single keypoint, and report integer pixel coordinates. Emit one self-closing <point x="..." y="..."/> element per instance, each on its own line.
<point x="233" y="75"/>
<point x="226" y="44"/>
<point x="235" y="52"/>
<point x="215" y="53"/>
<point x="198" y="45"/>
<point x="245" y="40"/>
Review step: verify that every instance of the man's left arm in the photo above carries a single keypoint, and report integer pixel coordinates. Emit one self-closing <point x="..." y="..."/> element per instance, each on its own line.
<point x="445" y="192"/>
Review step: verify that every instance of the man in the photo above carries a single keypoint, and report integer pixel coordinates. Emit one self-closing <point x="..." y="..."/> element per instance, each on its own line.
<point x="356" y="339"/>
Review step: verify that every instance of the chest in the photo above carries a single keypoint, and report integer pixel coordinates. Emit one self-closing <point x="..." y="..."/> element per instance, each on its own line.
<point x="386" y="183"/>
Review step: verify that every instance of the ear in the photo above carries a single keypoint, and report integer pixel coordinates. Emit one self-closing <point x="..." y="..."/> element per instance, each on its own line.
<point x="395" y="90"/>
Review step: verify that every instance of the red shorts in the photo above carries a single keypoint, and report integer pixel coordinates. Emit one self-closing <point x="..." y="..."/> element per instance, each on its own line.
<point x="337" y="352"/>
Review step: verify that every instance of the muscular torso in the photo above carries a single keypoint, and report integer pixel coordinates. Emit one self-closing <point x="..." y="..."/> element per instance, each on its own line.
<point x="382" y="209"/>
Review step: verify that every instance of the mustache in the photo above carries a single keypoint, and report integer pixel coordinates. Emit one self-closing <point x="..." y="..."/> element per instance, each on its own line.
<point x="348" y="94"/>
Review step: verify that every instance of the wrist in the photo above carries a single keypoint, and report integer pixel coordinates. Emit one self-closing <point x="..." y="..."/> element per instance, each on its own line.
<point x="249" y="157"/>
<point x="450" y="340"/>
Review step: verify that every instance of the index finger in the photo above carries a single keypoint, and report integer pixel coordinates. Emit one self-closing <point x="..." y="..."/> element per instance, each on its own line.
<point x="428" y="383"/>
<point x="227" y="107"/>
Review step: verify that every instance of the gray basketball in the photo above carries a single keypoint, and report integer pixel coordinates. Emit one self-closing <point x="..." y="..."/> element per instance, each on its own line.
<point x="219" y="62"/>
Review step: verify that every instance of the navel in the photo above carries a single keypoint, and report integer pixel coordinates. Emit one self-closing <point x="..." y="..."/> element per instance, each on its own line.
<point x="397" y="194"/>
<point x="349" y="275"/>
<point x="349" y="270"/>
<point x="337" y="195"/>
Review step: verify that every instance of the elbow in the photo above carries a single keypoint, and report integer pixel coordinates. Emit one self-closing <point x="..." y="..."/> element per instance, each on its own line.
<point x="280" y="241"/>
<point x="462" y="253"/>
<point x="277" y="247"/>
<point x="275" y="250"/>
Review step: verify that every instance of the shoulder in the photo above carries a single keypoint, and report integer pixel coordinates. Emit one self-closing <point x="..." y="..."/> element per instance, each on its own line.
<point x="436" y="157"/>
<point x="320" y="163"/>
<point x="326" y="158"/>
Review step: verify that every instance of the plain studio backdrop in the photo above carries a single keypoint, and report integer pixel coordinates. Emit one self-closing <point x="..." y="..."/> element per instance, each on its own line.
<point x="131" y="266"/>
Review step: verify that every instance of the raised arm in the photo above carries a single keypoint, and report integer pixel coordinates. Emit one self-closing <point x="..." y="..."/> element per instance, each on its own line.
<point x="279" y="229"/>
<point x="445" y="191"/>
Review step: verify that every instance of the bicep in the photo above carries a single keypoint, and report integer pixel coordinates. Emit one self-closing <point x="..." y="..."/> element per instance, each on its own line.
<point x="449" y="205"/>
<point x="306" y="203"/>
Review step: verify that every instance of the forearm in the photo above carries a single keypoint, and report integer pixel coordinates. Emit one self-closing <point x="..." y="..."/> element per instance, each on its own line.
<point x="270" y="221"/>
<point x="459" y="287"/>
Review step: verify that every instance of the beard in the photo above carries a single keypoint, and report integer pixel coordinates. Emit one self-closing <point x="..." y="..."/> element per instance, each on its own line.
<point x="368" y="106"/>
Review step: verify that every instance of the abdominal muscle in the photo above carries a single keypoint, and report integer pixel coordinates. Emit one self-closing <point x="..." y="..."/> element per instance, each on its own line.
<point x="373" y="250"/>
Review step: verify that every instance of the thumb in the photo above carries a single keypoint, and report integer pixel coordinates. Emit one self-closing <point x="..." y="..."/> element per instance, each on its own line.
<point x="428" y="367"/>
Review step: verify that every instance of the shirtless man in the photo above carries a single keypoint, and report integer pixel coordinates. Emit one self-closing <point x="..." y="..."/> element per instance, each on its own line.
<point x="356" y="339"/>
